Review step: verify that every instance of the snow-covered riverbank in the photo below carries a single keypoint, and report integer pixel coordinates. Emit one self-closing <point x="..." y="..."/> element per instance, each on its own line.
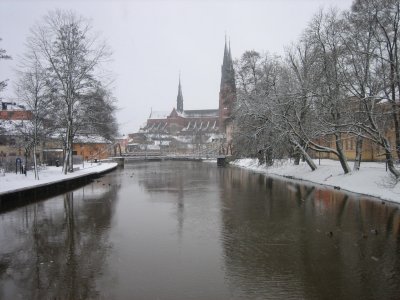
<point x="10" y="182"/>
<point x="372" y="179"/>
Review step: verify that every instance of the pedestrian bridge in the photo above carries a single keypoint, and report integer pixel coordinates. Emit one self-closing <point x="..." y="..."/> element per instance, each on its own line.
<point x="158" y="156"/>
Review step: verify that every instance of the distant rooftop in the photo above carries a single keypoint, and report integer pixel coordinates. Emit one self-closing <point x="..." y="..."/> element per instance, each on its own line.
<point x="159" y="114"/>
<point x="200" y="113"/>
<point x="10" y="105"/>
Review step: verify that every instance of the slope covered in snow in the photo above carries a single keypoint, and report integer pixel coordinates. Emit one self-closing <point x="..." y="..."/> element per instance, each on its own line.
<point x="372" y="179"/>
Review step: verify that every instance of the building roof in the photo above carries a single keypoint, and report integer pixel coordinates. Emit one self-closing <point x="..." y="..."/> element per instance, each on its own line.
<point x="158" y="114"/>
<point x="201" y="113"/>
<point x="91" y="139"/>
<point x="13" y="127"/>
<point x="11" y="105"/>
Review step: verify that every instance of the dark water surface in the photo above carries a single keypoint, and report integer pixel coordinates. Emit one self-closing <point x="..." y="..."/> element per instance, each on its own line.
<point x="190" y="230"/>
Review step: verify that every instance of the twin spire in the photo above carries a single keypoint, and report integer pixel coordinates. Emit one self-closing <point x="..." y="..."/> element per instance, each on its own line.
<point x="227" y="54"/>
<point x="227" y="71"/>
<point x="227" y="75"/>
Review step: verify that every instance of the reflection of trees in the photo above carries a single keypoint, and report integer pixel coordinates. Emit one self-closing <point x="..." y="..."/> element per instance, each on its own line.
<point x="276" y="244"/>
<point x="61" y="245"/>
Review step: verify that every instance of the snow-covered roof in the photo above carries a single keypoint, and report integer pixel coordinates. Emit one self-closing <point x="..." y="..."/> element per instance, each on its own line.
<point x="11" y="105"/>
<point x="153" y="147"/>
<point x="159" y="114"/>
<point x="201" y="113"/>
<point x="91" y="139"/>
<point x="13" y="127"/>
<point x="215" y="136"/>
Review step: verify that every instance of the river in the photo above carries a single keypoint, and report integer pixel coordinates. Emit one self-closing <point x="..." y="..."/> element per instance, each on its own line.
<point x="191" y="230"/>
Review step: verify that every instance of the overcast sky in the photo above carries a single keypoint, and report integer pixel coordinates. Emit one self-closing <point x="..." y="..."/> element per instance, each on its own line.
<point x="152" y="41"/>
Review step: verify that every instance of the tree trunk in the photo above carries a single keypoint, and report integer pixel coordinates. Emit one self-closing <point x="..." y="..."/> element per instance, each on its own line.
<point x="68" y="159"/>
<point x="297" y="156"/>
<point x="269" y="159"/>
<point x="71" y="156"/>
<point x="306" y="157"/>
<point x="389" y="159"/>
<point x="35" y="162"/>
<point x="342" y="158"/>
<point x="68" y="152"/>
<point x="65" y="165"/>
<point x="357" y="160"/>
<point x="395" y="113"/>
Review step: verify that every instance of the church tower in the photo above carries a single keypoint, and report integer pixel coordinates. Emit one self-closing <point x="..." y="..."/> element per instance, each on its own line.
<point x="179" y="98"/>
<point x="227" y="93"/>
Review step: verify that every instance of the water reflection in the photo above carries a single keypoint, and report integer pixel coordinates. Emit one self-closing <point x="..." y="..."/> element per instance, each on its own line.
<point x="285" y="240"/>
<point x="186" y="230"/>
<point x="55" y="249"/>
<point x="176" y="183"/>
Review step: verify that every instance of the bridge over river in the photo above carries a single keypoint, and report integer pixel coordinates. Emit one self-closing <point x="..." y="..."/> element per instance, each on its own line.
<point x="159" y="156"/>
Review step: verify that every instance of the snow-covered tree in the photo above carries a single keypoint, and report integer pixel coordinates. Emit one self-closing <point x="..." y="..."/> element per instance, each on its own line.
<point x="72" y="57"/>
<point x="256" y="127"/>
<point x="33" y="89"/>
<point x="331" y="105"/>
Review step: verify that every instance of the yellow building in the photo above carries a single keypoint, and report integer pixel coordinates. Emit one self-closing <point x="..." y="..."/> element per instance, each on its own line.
<point x="93" y="147"/>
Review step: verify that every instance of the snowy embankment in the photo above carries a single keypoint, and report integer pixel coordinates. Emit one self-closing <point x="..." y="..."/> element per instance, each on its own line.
<point x="372" y="179"/>
<point x="11" y="182"/>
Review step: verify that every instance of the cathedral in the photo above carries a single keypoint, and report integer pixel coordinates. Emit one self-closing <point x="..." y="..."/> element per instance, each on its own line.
<point x="185" y="128"/>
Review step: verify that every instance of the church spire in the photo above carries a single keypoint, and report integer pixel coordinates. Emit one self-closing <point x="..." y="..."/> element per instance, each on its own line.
<point x="227" y="92"/>
<point x="227" y="71"/>
<point x="230" y="55"/>
<point x="179" y="98"/>
<point x="227" y="51"/>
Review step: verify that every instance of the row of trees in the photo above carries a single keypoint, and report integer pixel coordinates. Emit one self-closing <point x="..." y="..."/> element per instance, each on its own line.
<point x="340" y="80"/>
<point x="63" y="84"/>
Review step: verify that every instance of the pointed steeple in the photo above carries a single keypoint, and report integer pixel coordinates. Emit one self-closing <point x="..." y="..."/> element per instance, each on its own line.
<point x="227" y="92"/>
<point x="179" y="98"/>
<point x="227" y="71"/>
<point x="230" y="55"/>
<point x="226" y="54"/>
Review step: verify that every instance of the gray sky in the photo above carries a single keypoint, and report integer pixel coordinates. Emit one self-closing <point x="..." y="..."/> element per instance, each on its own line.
<point x="152" y="41"/>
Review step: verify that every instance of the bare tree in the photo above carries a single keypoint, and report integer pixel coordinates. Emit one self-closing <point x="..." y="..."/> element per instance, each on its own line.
<point x="256" y="78"/>
<point x="97" y="114"/>
<point x="323" y="33"/>
<point x="369" y="69"/>
<point x="386" y="17"/>
<point x="300" y="117"/>
<point x="72" y="56"/>
<point x="359" y="68"/>
<point x="340" y="81"/>
<point x="33" y="89"/>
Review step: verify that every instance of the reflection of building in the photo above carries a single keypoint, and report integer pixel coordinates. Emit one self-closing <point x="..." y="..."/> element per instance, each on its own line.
<point x="183" y="130"/>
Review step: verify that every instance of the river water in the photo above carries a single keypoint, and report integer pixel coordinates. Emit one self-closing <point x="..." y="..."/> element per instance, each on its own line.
<point x="191" y="230"/>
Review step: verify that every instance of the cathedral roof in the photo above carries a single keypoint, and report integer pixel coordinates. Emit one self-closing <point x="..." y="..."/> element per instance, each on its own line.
<point x="201" y="113"/>
<point x="158" y="114"/>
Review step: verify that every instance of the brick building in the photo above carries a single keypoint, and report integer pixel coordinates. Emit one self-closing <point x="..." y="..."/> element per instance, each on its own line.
<point x="197" y="127"/>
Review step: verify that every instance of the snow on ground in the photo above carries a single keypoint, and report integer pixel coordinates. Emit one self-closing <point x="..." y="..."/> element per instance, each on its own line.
<point x="372" y="179"/>
<point x="15" y="182"/>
